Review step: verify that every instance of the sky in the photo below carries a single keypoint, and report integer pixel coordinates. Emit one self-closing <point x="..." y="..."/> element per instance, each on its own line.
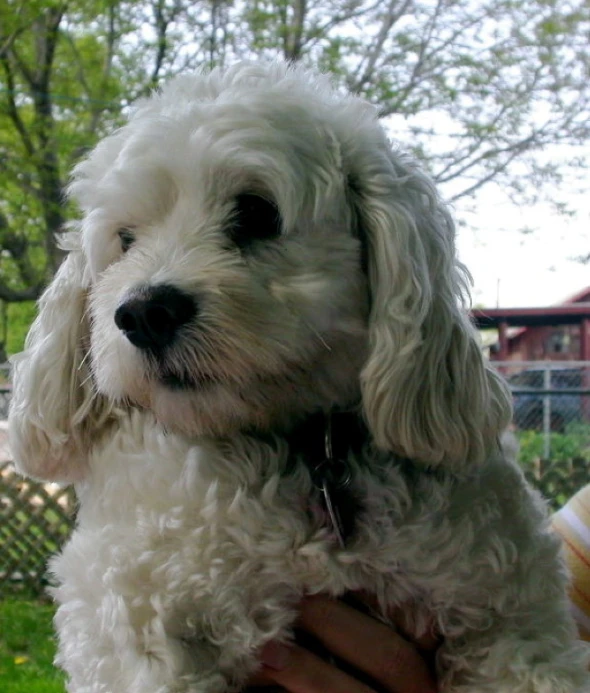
<point x="512" y="269"/>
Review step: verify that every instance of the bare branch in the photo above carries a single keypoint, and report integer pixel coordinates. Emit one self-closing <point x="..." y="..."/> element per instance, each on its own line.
<point x="10" y="295"/>
<point x="18" y="248"/>
<point x="420" y="72"/>
<point x="12" y="109"/>
<point x="7" y="42"/>
<point x="390" y="18"/>
<point x="162" y="22"/>
<point x="356" y="10"/>
<point x="47" y="38"/>
<point x="295" y="37"/>
<point x="22" y="67"/>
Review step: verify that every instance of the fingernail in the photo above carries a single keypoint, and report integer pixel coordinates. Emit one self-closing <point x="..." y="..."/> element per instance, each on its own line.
<point x="275" y="655"/>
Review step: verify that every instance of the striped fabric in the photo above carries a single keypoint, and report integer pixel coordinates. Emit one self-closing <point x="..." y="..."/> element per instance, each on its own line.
<point x="572" y="522"/>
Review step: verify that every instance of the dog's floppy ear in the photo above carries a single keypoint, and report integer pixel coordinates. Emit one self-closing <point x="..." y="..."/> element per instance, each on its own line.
<point x="427" y="391"/>
<point x="53" y="405"/>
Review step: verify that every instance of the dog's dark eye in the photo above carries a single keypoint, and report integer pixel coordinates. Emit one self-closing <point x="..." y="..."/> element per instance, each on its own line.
<point x="127" y="237"/>
<point x="254" y="219"/>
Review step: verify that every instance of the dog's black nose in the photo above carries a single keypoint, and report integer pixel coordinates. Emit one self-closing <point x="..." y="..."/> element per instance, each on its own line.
<point x="151" y="316"/>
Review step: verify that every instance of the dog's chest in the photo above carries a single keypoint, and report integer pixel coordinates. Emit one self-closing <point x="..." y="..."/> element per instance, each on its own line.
<point x="208" y="539"/>
<point x="160" y="514"/>
<point x="163" y="511"/>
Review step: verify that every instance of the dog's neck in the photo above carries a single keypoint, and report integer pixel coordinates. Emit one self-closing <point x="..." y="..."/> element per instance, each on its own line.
<point x="333" y="434"/>
<point x="325" y="442"/>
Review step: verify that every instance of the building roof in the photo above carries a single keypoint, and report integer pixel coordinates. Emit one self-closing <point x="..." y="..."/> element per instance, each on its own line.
<point x="571" y="312"/>
<point x="582" y="296"/>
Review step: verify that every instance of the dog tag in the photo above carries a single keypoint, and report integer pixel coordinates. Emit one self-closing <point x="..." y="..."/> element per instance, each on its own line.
<point x="333" y="514"/>
<point x="332" y="478"/>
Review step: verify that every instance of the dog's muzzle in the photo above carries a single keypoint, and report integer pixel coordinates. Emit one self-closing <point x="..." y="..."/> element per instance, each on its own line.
<point x="151" y="316"/>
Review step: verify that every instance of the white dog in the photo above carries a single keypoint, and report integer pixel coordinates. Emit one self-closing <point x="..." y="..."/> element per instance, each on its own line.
<point x="258" y="281"/>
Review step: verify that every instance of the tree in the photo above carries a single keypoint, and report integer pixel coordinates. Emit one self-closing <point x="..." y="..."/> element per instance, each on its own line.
<point x="478" y="88"/>
<point x="57" y="93"/>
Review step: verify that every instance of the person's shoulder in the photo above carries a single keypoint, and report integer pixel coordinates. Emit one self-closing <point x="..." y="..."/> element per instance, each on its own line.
<point x="572" y="523"/>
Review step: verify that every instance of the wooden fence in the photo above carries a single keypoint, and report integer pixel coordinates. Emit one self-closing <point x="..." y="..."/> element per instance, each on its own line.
<point x="35" y="519"/>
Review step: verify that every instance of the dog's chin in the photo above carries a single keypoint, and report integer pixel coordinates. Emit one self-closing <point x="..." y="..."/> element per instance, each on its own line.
<point x="205" y="402"/>
<point x="201" y="407"/>
<point x="182" y="383"/>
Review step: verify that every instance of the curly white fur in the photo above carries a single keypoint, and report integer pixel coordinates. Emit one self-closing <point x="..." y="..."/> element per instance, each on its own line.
<point x="194" y="539"/>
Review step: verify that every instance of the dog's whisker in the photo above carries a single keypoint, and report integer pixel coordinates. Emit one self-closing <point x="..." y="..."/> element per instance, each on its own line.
<point x="319" y="336"/>
<point x="88" y="379"/>
<point x="84" y="360"/>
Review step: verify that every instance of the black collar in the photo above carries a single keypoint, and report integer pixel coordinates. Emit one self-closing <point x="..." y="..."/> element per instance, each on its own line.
<point x="325" y="442"/>
<point x="338" y="432"/>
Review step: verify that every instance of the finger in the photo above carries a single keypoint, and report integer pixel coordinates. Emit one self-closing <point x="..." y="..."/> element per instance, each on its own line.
<point x="299" y="671"/>
<point x="427" y="641"/>
<point x="259" y="680"/>
<point x="367" y="644"/>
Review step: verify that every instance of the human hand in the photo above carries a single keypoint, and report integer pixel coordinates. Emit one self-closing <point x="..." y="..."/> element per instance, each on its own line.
<point x="365" y="645"/>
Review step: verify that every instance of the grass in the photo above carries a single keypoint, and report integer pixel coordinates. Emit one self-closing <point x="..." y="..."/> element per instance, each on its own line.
<point x="27" y="647"/>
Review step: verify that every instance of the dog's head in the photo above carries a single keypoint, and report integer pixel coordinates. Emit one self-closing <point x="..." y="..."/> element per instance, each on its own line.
<point x="253" y="250"/>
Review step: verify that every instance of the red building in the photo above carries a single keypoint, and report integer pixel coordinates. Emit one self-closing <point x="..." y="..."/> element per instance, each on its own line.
<point x="555" y="333"/>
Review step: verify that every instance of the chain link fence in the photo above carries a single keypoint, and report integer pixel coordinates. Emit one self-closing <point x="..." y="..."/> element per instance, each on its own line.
<point x="551" y="407"/>
<point x="548" y="395"/>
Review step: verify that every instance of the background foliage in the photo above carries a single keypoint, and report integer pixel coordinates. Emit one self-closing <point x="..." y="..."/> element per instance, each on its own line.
<point x="568" y="468"/>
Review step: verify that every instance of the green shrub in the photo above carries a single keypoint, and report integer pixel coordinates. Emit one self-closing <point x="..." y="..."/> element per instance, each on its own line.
<point x="568" y="466"/>
<point x="19" y="319"/>
<point x="575" y="442"/>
